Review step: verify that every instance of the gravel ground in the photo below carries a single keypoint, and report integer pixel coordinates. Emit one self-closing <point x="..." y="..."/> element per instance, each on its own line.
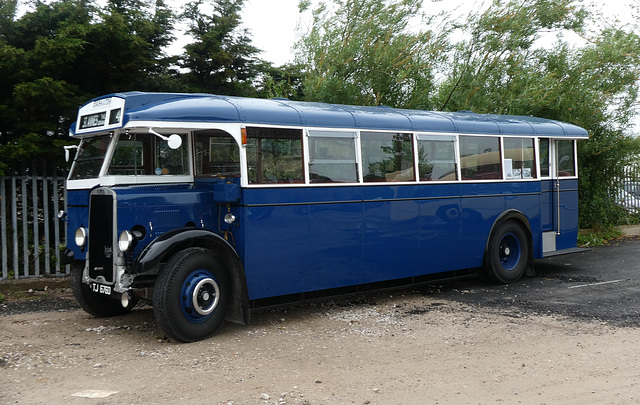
<point x="554" y="338"/>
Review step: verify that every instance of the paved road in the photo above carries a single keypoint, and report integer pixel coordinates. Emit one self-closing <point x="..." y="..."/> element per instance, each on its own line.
<point x="602" y="284"/>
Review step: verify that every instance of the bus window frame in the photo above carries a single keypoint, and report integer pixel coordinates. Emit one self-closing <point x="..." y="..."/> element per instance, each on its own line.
<point x="192" y="135"/>
<point x="412" y="136"/>
<point x="440" y="137"/>
<point x="574" y="158"/>
<point x="536" y="158"/>
<point x="500" y="157"/>
<point x="303" y="152"/>
<point x="549" y="157"/>
<point x="331" y="133"/>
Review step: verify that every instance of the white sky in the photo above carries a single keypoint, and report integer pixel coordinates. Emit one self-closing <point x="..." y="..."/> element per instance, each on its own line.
<point x="273" y="22"/>
<point x="273" y="27"/>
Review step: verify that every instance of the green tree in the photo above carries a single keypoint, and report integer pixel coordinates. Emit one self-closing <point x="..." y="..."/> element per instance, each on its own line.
<point x="34" y="98"/>
<point x="365" y="53"/>
<point x="125" y="49"/>
<point x="60" y="54"/>
<point x="500" y="68"/>
<point x="221" y="58"/>
<point x="284" y="81"/>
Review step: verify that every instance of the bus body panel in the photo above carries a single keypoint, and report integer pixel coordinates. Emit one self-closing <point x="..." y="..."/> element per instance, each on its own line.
<point x="568" y="214"/>
<point x="334" y="237"/>
<point x="293" y="247"/>
<point x="163" y="208"/>
<point x="77" y="216"/>
<point x="440" y="237"/>
<point x="390" y="247"/>
<point x="547" y="212"/>
<point x="567" y="196"/>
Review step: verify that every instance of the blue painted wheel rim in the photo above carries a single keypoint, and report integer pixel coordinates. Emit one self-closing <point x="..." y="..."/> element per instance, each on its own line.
<point x="509" y="251"/>
<point x="199" y="296"/>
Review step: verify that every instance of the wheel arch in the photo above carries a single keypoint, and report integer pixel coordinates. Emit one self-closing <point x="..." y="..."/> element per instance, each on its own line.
<point x="522" y="219"/>
<point x="150" y="262"/>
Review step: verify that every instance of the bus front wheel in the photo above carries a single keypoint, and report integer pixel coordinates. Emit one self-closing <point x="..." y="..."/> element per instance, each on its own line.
<point x="508" y="253"/>
<point x="191" y="295"/>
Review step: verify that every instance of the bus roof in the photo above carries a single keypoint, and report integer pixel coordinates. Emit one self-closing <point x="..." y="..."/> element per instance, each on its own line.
<point x="176" y="107"/>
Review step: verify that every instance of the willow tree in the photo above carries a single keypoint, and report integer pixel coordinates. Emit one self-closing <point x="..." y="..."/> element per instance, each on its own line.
<point x="507" y="64"/>
<point x="509" y="57"/>
<point x="368" y="53"/>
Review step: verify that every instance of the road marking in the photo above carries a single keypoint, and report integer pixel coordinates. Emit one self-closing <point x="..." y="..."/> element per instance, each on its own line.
<point x="592" y="284"/>
<point x="94" y="394"/>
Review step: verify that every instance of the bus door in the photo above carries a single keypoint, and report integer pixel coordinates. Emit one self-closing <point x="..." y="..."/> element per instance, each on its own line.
<point x="559" y="195"/>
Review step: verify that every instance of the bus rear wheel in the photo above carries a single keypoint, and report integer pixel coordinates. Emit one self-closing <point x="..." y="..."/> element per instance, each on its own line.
<point x="191" y="295"/>
<point x="508" y="253"/>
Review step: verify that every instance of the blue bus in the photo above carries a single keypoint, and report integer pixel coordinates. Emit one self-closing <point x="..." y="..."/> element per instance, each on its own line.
<point x="207" y="206"/>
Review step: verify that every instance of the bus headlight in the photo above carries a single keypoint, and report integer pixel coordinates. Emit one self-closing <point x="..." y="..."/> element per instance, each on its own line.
<point x="229" y="218"/>
<point x="125" y="241"/>
<point x="81" y="237"/>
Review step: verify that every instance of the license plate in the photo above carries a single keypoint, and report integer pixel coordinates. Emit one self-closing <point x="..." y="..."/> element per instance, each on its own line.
<point x="100" y="289"/>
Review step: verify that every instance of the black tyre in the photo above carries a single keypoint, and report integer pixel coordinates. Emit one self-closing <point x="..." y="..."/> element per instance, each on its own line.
<point x="508" y="253"/>
<point x="191" y="295"/>
<point x="93" y="303"/>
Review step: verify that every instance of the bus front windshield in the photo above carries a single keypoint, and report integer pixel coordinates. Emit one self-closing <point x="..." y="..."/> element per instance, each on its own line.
<point x="135" y="154"/>
<point x="90" y="157"/>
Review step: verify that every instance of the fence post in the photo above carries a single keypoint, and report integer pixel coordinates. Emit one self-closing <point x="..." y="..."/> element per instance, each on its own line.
<point x="56" y="222"/>
<point x="3" y="227"/>
<point x="36" y="233"/>
<point x="14" y="225"/>
<point x="66" y="223"/>
<point x="45" y="199"/>
<point x="25" y="229"/>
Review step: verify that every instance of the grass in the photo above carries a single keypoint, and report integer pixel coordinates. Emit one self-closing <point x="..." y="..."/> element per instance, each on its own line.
<point x="33" y="289"/>
<point x="598" y="237"/>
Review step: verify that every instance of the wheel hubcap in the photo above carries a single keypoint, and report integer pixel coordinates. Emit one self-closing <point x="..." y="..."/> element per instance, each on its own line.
<point x="199" y="296"/>
<point x="509" y="251"/>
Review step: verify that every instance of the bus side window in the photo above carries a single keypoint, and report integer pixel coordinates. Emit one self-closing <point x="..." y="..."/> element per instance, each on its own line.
<point x="519" y="151"/>
<point x="274" y="155"/>
<point x="566" y="160"/>
<point x="217" y="154"/>
<point x="332" y="157"/>
<point x="437" y="158"/>
<point x="133" y="155"/>
<point x="173" y="162"/>
<point x="544" y="157"/>
<point x="387" y="157"/>
<point x="480" y="158"/>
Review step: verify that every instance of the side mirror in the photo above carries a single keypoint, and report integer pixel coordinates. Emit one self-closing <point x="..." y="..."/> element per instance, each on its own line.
<point x="67" y="148"/>
<point x="174" y="141"/>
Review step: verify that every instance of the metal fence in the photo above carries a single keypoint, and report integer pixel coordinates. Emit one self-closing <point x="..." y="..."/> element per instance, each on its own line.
<point x="627" y="189"/>
<point x="31" y="236"/>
